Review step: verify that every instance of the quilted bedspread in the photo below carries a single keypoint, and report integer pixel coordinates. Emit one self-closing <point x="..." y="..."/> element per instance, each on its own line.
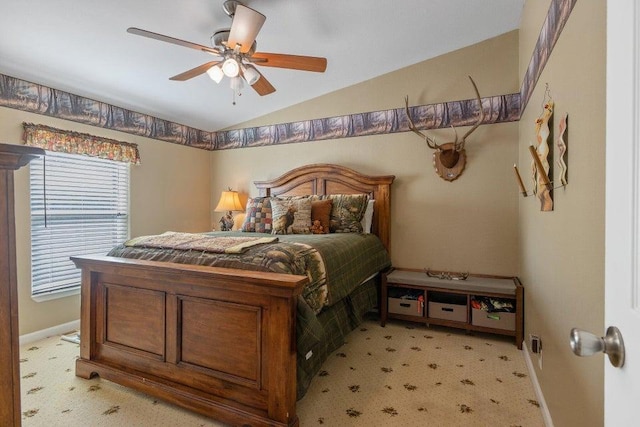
<point x="334" y="263"/>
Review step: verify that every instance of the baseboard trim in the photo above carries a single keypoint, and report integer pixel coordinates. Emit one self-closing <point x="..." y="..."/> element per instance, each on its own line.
<point x="54" y="330"/>
<point x="546" y="415"/>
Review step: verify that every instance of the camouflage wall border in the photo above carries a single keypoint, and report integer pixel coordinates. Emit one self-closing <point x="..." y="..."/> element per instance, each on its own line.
<point x="32" y="97"/>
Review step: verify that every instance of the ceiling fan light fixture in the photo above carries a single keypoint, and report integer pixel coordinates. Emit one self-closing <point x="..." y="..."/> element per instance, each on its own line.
<point x="215" y="73"/>
<point x="230" y="67"/>
<point x="235" y="49"/>
<point x="251" y="75"/>
<point x="236" y="84"/>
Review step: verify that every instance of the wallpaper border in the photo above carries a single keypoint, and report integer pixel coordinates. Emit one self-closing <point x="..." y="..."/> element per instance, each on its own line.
<point x="32" y="97"/>
<point x="498" y="109"/>
<point x="40" y="99"/>
<point x="557" y="16"/>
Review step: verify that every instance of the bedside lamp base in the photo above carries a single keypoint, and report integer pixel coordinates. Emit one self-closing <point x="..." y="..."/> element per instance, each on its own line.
<point x="226" y="222"/>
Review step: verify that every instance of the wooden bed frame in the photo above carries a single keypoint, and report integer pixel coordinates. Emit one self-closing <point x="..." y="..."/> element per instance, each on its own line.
<point x="217" y="341"/>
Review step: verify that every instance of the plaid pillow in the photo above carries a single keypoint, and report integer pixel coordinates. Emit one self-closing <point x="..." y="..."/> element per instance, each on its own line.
<point x="258" y="215"/>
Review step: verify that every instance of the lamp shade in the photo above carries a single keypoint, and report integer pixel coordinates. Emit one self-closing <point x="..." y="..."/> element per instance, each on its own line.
<point x="230" y="67"/>
<point x="251" y="75"/>
<point x="215" y="73"/>
<point x="229" y="201"/>
<point x="236" y="84"/>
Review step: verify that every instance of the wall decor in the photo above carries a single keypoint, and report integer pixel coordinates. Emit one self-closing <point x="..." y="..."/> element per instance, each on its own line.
<point x="541" y="166"/>
<point x="562" y="144"/>
<point x="449" y="159"/>
<point x="523" y="190"/>
<point x="542" y="180"/>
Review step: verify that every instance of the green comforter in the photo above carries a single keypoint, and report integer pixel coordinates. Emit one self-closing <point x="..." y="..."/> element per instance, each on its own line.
<point x="334" y="263"/>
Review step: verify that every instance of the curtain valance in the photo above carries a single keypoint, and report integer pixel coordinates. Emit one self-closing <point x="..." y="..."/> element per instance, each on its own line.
<point x="63" y="141"/>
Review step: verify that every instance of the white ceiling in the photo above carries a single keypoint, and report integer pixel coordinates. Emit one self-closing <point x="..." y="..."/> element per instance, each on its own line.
<point x="81" y="46"/>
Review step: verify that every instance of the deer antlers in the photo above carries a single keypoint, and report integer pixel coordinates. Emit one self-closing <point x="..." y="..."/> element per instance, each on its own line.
<point x="449" y="158"/>
<point x="457" y="146"/>
<point x="430" y="142"/>
<point x="446" y="275"/>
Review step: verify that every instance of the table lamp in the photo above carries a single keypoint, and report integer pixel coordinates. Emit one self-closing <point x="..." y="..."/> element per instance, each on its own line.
<point x="229" y="202"/>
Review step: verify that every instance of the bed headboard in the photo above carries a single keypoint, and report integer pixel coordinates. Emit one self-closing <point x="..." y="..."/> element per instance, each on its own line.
<point x="325" y="179"/>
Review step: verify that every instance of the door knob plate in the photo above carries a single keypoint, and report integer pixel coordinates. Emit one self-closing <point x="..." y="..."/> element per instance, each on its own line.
<point x="614" y="346"/>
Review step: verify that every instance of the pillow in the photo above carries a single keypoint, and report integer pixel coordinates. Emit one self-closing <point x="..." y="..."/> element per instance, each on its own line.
<point x="347" y="212"/>
<point x="367" y="219"/>
<point x="321" y="212"/>
<point x="258" y="216"/>
<point x="291" y="215"/>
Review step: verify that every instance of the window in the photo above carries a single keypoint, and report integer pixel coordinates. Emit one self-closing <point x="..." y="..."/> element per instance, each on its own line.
<point x="79" y="206"/>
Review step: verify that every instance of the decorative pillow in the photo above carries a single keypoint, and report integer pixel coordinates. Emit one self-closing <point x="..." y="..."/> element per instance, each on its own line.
<point x="258" y="215"/>
<point x="347" y="212"/>
<point x="291" y="215"/>
<point x="321" y="216"/>
<point x="367" y="219"/>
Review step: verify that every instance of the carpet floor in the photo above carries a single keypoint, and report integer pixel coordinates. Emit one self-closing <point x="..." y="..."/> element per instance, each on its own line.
<point x="400" y="375"/>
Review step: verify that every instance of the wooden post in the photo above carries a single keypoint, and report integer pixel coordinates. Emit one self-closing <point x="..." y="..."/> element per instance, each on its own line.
<point x="12" y="157"/>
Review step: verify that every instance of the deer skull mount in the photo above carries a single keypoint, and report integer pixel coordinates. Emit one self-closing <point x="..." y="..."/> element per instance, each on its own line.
<point x="448" y="159"/>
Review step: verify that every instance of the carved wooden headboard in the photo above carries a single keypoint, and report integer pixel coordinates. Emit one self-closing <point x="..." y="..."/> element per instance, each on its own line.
<point x="325" y="179"/>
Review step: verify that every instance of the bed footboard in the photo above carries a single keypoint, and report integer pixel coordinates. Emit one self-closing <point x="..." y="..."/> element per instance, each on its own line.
<point x="217" y="341"/>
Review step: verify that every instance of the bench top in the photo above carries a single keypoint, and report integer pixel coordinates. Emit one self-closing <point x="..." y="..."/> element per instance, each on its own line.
<point x="472" y="284"/>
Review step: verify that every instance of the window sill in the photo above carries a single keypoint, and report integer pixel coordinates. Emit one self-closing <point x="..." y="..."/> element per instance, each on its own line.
<point x="56" y="295"/>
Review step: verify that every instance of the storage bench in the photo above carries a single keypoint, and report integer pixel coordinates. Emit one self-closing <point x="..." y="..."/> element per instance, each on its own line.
<point x="482" y="303"/>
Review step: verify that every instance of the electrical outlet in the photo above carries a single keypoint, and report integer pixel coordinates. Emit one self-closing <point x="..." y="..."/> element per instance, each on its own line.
<point x="535" y="344"/>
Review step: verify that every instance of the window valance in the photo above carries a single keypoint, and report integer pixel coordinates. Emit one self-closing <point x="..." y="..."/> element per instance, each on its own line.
<point x="63" y="141"/>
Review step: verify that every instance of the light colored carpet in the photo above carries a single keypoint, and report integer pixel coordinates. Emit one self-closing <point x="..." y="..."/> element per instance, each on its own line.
<point x="400" y="375"/>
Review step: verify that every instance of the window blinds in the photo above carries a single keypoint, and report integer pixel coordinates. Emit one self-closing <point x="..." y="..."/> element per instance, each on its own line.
<point x="79" y="206"/>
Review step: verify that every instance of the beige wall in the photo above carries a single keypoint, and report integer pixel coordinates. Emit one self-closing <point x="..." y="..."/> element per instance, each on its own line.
<point x="562" y="252"/>
<point x="170" y="190"/>
<point x="466" y="225"/>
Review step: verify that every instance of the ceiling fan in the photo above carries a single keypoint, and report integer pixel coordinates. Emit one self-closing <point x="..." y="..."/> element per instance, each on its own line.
<point x="236" y="49"/>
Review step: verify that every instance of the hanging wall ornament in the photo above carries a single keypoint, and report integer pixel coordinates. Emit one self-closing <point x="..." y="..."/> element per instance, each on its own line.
<point x="561" y="143"/>
<point x="449" y="159"/>
<point x="542" y="156"/>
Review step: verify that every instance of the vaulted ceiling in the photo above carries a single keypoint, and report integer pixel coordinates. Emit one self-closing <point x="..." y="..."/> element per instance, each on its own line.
<point x="83" y="47"/>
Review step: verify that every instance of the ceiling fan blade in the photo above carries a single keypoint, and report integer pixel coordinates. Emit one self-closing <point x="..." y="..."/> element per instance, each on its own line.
<point x="262" y="86"/>
<point x="201" y="69"/>
<point x="163" y="38"/>
<point x="294" y="62"/>
<point x="245" y="27"/>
